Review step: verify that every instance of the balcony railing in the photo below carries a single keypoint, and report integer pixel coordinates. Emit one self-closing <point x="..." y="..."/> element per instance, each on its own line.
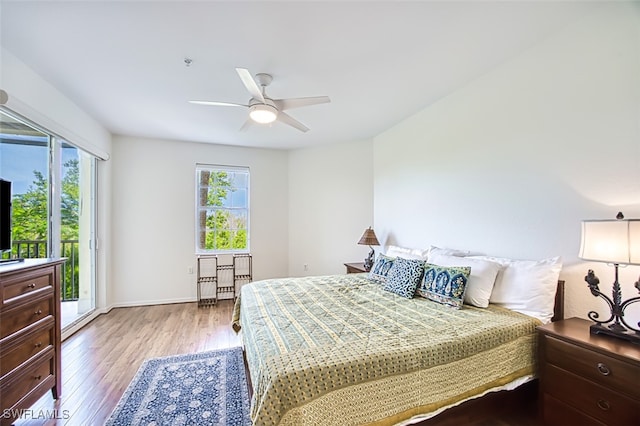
<point x="32" y="249"/>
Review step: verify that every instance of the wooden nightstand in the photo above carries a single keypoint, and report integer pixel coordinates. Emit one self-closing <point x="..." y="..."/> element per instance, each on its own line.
<point x="587" y="379"/>
<point x="355" y="268"/>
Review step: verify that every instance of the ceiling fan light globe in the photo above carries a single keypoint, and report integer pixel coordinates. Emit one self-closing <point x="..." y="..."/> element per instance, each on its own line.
<point x="263" y="113"/>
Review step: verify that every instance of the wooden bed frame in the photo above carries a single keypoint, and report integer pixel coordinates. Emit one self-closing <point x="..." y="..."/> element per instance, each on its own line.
<point x="522" y="399"/>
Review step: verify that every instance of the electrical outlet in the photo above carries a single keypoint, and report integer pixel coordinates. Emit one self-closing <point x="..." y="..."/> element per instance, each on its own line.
<point x="190" y="270"/>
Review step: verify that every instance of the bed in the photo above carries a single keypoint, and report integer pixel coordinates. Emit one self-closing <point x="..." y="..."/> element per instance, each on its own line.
<point x="343" y="350"/>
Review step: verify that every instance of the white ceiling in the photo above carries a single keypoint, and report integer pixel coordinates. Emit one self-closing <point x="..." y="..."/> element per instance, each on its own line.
<point x="379" y="62"/>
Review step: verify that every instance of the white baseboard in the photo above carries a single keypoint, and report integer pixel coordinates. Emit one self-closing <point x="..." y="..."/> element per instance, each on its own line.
<point x="151" y="302"/>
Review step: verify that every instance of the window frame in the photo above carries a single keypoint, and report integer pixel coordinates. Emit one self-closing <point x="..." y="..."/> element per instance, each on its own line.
<point x="214" y="168"/>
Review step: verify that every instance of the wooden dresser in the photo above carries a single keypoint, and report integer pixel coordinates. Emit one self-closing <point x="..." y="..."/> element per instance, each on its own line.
<point x="587" y="379"/>
<point x="29" y="333"/>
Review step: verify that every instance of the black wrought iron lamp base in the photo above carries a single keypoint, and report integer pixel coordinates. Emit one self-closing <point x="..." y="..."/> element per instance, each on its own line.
<point x="615" y="325"/>
<point x="628" y="335"/>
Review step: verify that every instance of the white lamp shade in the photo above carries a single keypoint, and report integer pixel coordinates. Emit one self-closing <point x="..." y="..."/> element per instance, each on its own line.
<point x="611" y="241"/>
<point x="634" y="242"/>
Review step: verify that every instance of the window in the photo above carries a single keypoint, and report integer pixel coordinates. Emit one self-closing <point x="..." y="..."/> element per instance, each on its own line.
<point x="222" y="209"/>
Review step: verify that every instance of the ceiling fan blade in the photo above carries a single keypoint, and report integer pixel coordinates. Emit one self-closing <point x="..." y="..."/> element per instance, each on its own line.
<point x="214" y="103"/>
<point x="284" y="104"/>
<point x="246" y="125"/>
<point x="250" y="84"/>
<point x="287" y="119"/>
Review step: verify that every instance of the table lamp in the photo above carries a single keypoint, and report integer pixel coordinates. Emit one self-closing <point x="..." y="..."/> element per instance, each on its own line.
<point x="616" y="242"/>
<point x="369" y="239"/>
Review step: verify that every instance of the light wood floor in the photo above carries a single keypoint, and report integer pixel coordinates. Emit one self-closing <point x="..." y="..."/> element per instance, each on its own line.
<point x="99" y="361"/>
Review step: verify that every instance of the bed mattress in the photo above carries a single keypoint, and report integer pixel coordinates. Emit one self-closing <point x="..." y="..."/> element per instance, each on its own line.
<point x="341" y="350"/>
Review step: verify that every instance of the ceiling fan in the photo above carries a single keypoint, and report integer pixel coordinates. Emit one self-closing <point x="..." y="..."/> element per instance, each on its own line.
<point x="263" y="109"/>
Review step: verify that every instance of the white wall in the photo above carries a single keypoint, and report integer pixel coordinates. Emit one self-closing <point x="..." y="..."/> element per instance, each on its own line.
<point x="510" y="164"/>
<point x="153" y="216"/>
<point x="330" y="206"/>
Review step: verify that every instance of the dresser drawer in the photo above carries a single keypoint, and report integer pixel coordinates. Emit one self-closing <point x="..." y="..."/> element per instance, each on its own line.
<point x="12" y="320"/>
<point x="589" y="398"/>
<point x="16" y="288"/>
<point x="36" y="374"/>
<point x="602" y="369"/>
<point x="26" y="346"/>
<point x="557" y="413"/>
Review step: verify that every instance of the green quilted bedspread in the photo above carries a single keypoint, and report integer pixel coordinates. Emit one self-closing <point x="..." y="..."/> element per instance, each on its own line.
<point x="306" y="338"/>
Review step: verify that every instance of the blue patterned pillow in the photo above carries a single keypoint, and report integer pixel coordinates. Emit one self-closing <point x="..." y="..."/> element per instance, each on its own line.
<point x="404" y="276"/>
<point x="444" y="284"/>
<point x="381" y="268"/>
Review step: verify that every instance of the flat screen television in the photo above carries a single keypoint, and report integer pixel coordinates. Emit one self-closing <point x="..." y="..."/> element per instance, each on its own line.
<point x="5" y="221"/>
<point x="5" y="215"/>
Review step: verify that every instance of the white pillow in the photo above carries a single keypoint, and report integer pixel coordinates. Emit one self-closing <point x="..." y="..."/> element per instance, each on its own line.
<point x="407" y="253"/>
<point x="433" y="250"/>
<point x="481" y="280"/>
<point x="526" y="286"/>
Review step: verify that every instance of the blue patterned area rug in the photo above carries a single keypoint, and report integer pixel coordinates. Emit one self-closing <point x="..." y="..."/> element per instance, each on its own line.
<point x="208" y="388"/>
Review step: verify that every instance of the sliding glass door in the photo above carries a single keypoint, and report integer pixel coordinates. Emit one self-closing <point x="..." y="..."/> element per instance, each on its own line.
<point x="76" y="222"/>
<point x="53" y="206"/>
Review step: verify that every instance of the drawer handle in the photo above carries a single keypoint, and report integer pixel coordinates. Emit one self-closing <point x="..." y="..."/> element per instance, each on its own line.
<point x="38" y="345"/>
<point x="32" y="285"/>
<point x="604" y="405"/>
<point x="38" y="312"/>
<point x="603" y="369"/>
<point x="38" y="377"/>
